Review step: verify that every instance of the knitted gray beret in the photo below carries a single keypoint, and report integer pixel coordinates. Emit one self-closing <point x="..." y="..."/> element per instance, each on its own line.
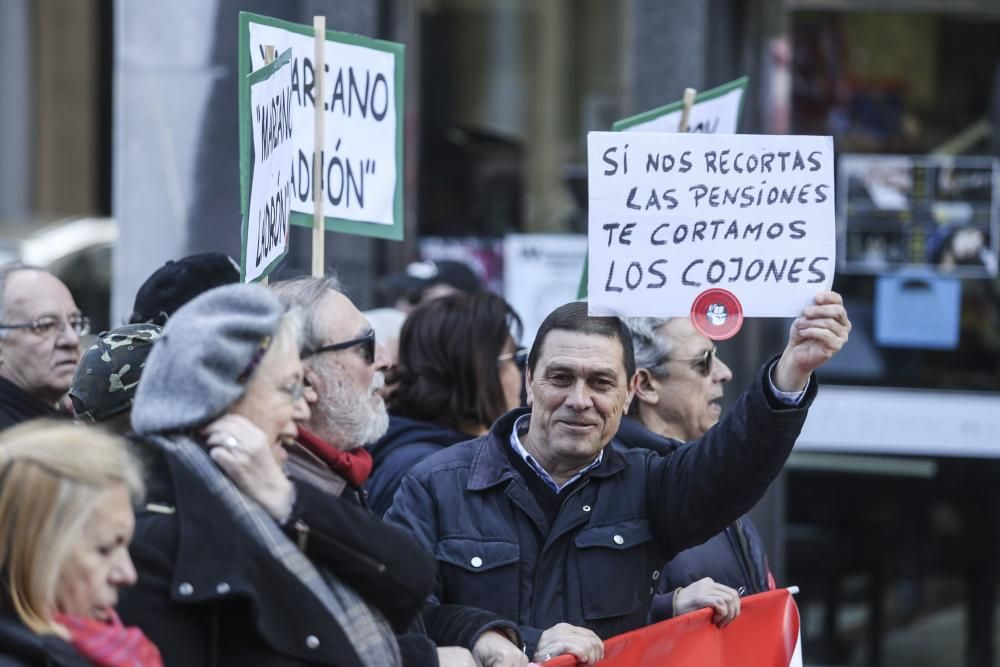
<point x="201" y="363"/>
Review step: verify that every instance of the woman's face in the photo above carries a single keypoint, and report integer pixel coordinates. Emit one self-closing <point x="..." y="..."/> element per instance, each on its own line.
<point x="99" y="564"/>
<point x="511" y="378"/>
<point x="274" y="399"/>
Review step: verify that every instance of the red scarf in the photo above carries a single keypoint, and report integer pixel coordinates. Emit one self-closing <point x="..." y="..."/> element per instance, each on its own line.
<point x="355" y="466"/>
<point x="110" y="644"/>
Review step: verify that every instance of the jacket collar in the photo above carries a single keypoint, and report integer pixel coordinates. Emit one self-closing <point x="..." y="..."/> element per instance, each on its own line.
<point x="491" y="466"/>
<point x="23" y="405"/>
<point x="632" y="433"/>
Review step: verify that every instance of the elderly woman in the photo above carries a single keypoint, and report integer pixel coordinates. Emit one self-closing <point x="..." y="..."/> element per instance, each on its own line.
<point x="238" y="565"/>
<point x="66" y="497"/>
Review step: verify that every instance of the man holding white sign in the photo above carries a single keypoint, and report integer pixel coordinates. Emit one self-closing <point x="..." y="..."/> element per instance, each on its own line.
<point x="542" y="523"/>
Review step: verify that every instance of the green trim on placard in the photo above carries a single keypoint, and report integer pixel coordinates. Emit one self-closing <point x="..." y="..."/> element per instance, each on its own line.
<point x="246" y="158"/>
<point x="647" y="116"/>
<point x="394" y="231"/>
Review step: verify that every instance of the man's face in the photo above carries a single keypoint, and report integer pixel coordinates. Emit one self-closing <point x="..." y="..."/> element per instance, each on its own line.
<point x="349" y="412"/>
<point x="578" y="392"/>
<point x="40" y="364"/>
<point x="689" y="398"/>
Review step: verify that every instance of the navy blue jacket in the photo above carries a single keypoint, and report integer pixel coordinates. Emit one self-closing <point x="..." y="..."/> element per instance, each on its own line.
<point x="405" y="444"/>
<point x="18" y="406"/>
<point x="597" y="564"/>
<point x="735" y="557"/>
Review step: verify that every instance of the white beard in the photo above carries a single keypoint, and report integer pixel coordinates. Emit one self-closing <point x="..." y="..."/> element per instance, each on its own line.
<point x="349" y="420"/>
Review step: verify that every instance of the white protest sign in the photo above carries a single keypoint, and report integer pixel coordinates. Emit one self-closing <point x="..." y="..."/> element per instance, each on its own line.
<point x="715" y="111"/>
<point x="673" y="215"/>
<point x="363" y="124"/>
<point x="268" y="210"/>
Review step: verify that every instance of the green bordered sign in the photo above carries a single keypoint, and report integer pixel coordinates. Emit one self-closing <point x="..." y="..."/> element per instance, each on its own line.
<point x="714" y="111"/>
<point x="362" y="157"/>
<point x="266" y="131"/>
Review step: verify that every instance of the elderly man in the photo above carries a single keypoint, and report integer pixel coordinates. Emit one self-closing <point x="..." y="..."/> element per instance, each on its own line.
<point x="40" y="329"/>
<point x="679" y="383"/>
<point x="543" y="523"/>
<point x="344" y="367"/>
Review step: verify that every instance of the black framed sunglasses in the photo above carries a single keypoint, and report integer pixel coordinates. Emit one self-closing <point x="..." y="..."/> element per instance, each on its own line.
<point x="47" y="325"/>
<point x="366" y="343"/>
<point x="702" y="363"/>
<point x="518" y="356"/>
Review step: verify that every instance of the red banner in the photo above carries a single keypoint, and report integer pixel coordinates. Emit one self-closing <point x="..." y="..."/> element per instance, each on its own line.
<point x="765" y="634"/>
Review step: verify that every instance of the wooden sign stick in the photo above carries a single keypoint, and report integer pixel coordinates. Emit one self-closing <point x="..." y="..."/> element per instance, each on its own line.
<point x="689" y="94"/>
<point x="319" y="226"/>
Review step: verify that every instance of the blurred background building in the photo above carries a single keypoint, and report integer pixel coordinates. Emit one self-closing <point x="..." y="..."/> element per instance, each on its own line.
<point x="124" y="114"/>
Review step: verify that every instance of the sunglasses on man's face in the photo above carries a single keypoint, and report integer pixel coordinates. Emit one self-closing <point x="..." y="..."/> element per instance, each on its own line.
<point x="366" y="343"/>
<point x="702" y="363"/>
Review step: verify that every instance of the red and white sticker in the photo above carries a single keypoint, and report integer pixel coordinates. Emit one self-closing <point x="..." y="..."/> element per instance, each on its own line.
<point x="717" y="313"/>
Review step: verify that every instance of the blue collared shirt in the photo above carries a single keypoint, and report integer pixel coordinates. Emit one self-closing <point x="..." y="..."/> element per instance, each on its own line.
<point x="515" y="442"/>
<point x="791" y="398"/>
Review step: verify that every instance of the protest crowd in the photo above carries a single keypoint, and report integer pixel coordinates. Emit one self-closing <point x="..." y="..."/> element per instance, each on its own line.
<point x="247" y="475"/>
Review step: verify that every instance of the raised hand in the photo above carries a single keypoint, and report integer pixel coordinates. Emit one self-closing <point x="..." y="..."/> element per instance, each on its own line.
<point x="814" y="337"/>
<point x="241" y="449"/>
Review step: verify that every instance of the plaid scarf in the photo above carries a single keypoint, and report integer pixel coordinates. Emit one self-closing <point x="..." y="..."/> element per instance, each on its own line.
<point x="365" y="628"/>
<point x="110" y="644"/>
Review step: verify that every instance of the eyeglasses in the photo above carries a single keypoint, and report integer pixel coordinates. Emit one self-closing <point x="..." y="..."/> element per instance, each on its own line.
<point x="518" y="356"/>
<point x="702" y="363"/>
<point x="45" y="326"/>
<point x="295" y="389"/>
<point x="367" y="343"/>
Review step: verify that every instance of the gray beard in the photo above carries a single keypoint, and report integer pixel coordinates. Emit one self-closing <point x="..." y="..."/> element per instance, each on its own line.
<point x="349" y="421"/>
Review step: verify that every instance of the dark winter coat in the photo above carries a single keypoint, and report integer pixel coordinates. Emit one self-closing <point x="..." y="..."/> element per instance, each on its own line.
<point x="405" y="444"/>
<point x="20" y="647"/>
<point x="16" y="406"/>
<point x="209" y="594"/>
<point x="596" y="565"/>
<point x="735" y="557"/>
<point x="448" y="625"/>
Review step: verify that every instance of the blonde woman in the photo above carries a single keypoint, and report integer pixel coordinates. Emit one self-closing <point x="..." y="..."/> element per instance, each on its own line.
<point x="66" y="495"/>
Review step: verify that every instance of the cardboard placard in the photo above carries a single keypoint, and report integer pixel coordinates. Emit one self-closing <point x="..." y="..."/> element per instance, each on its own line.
<point x="362" y="156"/>
<point x="266" y="127"/>
<point x="715" y="111"/>
<point x="673" y="215"/>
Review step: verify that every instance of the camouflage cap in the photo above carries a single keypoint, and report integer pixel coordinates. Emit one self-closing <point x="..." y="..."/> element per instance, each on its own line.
<point x="105" y="381"/>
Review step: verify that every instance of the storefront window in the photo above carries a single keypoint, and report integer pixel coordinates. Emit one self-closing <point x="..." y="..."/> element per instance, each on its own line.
<point x="918" y="252"/>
